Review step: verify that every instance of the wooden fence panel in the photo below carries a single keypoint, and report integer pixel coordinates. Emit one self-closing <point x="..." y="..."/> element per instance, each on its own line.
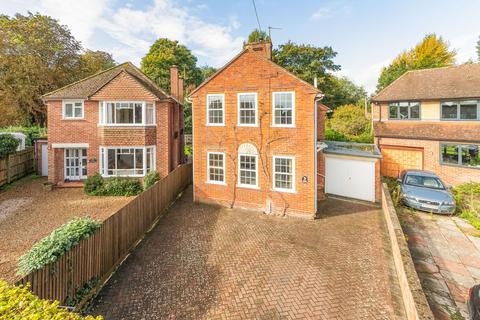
<point x="98" y="255"/>
<point x="17" y="165"/>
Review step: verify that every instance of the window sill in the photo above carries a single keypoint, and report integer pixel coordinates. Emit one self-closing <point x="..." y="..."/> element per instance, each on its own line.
<point x="216" y="183"/>
<point x="215" y="125"/>
<point x="242" y="186"/>
<point x="283" y="190"/>
<point x="126" y="125"/>
<point x="458" y="166"/>
<point x="280" y="126"/>
<point x="74" y="119"/>
<point x="247" y="125"/>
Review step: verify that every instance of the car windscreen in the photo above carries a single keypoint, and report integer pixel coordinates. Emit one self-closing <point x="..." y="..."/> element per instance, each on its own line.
<point x="422" y="181"/>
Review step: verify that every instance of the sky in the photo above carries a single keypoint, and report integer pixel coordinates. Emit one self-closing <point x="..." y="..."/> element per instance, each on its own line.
<point x="367" y="34"/>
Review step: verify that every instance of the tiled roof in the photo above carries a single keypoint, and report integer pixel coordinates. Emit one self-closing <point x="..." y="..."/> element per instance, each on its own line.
<point x="454" y="82"/>
<point x="87" y="87"/>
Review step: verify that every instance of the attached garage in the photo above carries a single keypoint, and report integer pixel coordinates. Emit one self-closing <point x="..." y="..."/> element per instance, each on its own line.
<point x="352" y="170"/>
<point x="396" y="159"/>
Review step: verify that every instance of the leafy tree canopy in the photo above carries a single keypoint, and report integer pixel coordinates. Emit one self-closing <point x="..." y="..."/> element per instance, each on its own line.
<point x="207" y="72"/>
<point x="257" y="36"/>
<point x="94" y="61"/>
<point x="306" y="61"/>
<point x="349" y="120"/>
<point x="431" y="52"/>
<point x="165" y="53"/>
<point x="342" y="91"/>
<point x="478" y="49"/>
<point x="37" y="55"/>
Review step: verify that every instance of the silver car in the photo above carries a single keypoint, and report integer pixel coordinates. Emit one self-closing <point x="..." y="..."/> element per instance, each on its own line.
<point x="423" y="190"/>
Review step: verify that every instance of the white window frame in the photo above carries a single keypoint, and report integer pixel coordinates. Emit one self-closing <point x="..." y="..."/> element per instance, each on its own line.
<point x="293" y="110"/>
<point x="103" y="156"/>
<point x="293" y="174"/>
<point x="102" y="119"/>
<point x="250" y="186"/>
<point x="224" y="169"/>
<point x="64" y="116"/>
<point x="208" y="110"/>
<point x="256" y="109"/>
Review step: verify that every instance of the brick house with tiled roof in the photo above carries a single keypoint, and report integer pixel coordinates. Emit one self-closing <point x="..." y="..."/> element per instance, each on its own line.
<point x="255" y="135"/>
<point x="430" y="119"/>
<point x="117" y="123"/>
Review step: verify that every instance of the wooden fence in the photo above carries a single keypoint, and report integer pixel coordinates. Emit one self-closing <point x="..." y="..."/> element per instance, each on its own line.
<point x="98" y="255"/>
<point x="17" y="165"/>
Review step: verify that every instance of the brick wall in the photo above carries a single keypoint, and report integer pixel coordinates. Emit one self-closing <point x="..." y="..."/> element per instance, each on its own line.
<point x="431" y="154"/>
<point x="252" y="74"/>
<point x="87" y="130"/>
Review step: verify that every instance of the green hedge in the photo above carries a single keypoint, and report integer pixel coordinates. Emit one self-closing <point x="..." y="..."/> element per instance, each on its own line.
<point x="30" y="132"/>
<point x="96" y="185"/>
<point x="20" y="303"/>
<point x="53" y="246"/>
<point x="8" y="145"/>
<point x="150" y="179"/>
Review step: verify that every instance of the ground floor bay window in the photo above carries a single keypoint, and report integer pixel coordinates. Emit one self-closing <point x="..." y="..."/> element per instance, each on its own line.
<point x="127" y="161"/>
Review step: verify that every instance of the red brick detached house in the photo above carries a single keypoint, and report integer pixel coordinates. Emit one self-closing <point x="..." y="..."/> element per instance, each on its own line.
<point x="254" y="136"/>
<point x="117" y="123"/>
<point x="430" y="119"/>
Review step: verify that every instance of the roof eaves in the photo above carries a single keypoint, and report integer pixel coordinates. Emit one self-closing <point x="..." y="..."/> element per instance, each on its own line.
<point x="45" y="96"/>
<point x="375" y="98"/>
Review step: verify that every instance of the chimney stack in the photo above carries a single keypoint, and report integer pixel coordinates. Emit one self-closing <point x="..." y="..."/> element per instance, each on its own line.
<point x="263" y="48"/>
<point x="174" y="82"/>
<point x="180" y="90"/>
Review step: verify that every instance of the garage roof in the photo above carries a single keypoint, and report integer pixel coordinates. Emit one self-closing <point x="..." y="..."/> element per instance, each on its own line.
<point x="366" y="150"/>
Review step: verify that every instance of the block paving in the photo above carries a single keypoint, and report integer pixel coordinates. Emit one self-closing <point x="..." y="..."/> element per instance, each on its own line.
<point x="446" y="257"/>
<point x="207" y="262"/>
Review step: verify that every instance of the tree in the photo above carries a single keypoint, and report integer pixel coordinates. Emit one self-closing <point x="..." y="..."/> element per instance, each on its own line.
<point x="37" y="55"/>
<point x="431" y="52"/>
<point x="306" y="61"/>
<point x="478" y="49"/>
<point x="207" y="72"/>
<point x="349" y="120"/>
<point x="257" y="36"/>
<point x="165" y="53"/>
<point x="94" y="61"/>
<point x="341" y="91"/>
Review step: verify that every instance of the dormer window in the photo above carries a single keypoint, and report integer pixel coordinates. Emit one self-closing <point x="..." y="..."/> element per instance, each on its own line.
<point x="73" y="109"/>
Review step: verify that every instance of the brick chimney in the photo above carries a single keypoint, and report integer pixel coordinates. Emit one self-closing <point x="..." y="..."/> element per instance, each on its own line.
<point x="174" y="82"/>
<point x="262" y="47"/>
<point x="180" y="90"/>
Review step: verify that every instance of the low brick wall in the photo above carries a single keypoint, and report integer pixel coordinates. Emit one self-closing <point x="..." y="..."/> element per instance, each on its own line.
<point x="416" y="305"/>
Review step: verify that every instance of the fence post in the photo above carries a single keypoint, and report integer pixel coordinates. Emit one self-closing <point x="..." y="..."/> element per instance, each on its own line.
<point x="9" y="176"/>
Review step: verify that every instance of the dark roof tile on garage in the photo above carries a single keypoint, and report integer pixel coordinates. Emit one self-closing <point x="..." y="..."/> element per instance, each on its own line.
<point x="455" y="82"/>
<point x="87" y="87"/>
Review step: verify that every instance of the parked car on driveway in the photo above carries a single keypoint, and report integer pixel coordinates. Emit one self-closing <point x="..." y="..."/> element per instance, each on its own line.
<point x="473" y="302"/>
<point x="423" y="190"/>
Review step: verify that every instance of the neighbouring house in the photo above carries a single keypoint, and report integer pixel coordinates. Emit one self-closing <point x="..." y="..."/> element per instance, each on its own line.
<point x="430" y="119"/>
<point x="255" y="135"/>
<point x="117" y="123"/>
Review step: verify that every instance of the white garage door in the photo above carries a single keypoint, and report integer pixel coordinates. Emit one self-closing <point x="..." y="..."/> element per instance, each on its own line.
<point x="351" y="177"/>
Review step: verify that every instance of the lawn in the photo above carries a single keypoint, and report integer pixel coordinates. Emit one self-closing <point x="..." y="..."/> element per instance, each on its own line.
<point x="29" y="213"/>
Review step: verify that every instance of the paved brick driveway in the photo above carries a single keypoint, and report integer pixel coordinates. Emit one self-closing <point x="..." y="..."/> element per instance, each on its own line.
<point x="206" y="262"/>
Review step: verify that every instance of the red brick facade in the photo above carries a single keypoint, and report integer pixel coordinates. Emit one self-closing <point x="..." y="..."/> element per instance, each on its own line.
<point x="251" y="71"/>
<point x="166" y="135"/>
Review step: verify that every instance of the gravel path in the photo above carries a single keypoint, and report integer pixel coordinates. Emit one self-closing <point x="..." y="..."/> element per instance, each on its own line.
<point x="29" y="213"/>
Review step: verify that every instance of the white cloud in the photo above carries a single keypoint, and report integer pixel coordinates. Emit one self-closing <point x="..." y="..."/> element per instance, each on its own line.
<point x="128" y="32"/>
<point x="321" y="13"/>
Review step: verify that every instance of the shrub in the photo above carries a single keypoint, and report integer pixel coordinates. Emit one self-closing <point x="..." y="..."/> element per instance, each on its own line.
<point x="30" y="132"/>
<point x="93" y="184"/>
<point x="150" y="179"/>
<point x="187" y="150"/>
<point x="20" y="303"/>
<point x="96" y="185"/>
<point x="8" y="145"/>
<point x="53" y="246"/>
<point x="120" y="187"/>
<point x="349" y="120"/>
<point x="332" y="135"/>
<point x="467" y="199"/>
